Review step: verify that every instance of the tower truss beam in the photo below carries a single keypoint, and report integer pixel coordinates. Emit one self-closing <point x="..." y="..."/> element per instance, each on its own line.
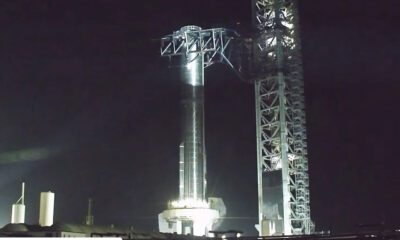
<point x="215" y="44"/>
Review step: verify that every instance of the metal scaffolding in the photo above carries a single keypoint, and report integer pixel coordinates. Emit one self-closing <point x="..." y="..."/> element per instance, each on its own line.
<point x="214" y="44"/>
<point x="280" y="120"/>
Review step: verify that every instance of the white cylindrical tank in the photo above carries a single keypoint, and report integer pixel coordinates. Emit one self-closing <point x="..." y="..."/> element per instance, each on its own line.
<point x="18" y="213"/>
<point x="46" y="209"/>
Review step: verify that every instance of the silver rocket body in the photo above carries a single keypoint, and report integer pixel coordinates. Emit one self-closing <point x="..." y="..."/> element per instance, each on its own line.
<point x="192" y="149"/>
<point x="192" y="213"/>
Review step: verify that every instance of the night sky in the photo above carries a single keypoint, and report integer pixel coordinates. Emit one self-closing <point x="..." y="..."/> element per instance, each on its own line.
<point x="89" y="109"/>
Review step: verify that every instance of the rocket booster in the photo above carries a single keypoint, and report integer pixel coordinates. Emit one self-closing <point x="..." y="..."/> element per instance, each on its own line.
<point x="192" y="168"/>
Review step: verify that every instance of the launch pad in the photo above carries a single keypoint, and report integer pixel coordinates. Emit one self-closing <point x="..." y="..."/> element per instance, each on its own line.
<point x="187" y="217"/>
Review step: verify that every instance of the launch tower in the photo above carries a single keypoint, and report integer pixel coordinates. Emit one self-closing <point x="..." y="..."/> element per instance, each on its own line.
<point x="283" y="183"/>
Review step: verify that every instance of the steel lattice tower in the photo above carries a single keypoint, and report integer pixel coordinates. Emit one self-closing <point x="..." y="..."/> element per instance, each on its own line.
<point x="283" y="184"/>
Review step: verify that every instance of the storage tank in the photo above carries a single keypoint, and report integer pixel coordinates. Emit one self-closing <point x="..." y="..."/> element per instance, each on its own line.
<point x="46" y="209"/>
<point x="18" y="208"/>
<point x="18" y="213"/>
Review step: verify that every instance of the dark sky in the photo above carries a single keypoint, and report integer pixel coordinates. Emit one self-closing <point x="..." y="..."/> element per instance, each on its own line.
<point x="83" y="80"/>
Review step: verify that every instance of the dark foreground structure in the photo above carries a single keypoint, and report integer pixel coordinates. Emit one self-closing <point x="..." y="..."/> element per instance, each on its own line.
<point x="82" y="230"/>
<point x="75" y="230"/>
